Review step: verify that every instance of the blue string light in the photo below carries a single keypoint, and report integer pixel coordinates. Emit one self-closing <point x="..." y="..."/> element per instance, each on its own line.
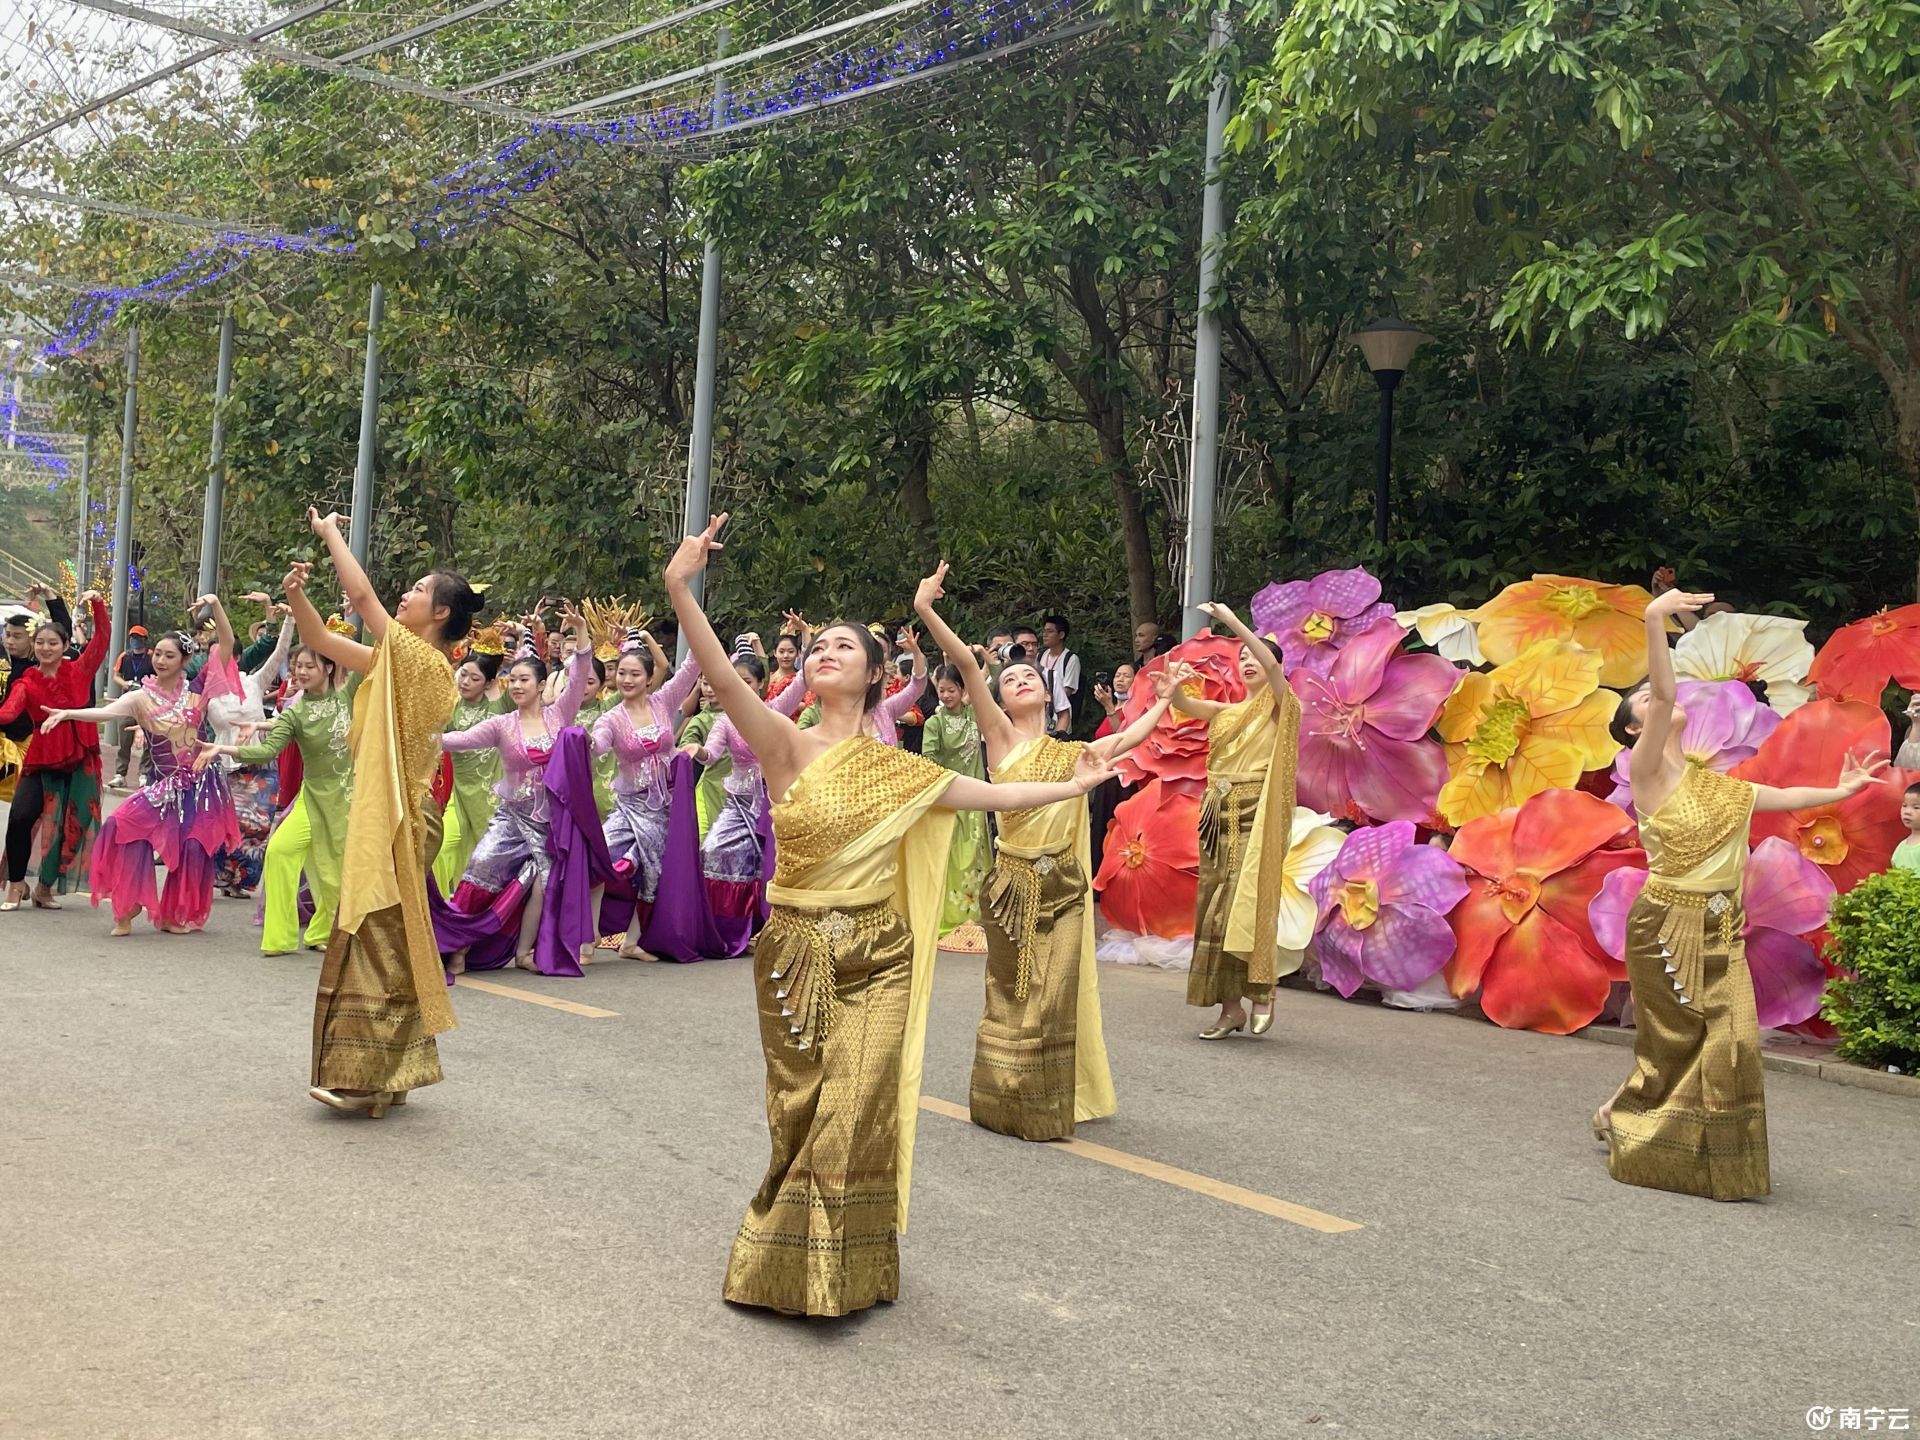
<point x="477" y="190"/>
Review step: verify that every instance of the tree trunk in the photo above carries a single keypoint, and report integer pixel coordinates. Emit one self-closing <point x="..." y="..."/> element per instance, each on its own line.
<point x="916" y="457"/>
<point x="1141" y="601"/>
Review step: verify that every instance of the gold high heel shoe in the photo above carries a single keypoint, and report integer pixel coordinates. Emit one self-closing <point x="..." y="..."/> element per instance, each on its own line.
<point x="375" y="1105"/>
<point x="1261" y="1024"/>
<point x="1221" y="1032"/>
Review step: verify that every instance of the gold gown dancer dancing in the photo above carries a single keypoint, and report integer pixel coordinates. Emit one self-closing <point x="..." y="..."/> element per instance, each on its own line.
<point x="844" y="967"/>
<point x="1693" y="1115"/>
<point x="1246" y="824"/>
<point x="383" y="994"/>
<point x="1040" y="1058"/>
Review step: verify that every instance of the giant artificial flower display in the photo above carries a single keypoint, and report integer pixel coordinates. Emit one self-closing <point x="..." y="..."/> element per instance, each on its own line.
<point x="1536" y="723"/>
<point x="1785" y="896"/>
<point x="1859" y="659"/>
<point x="1364" y="749"/>
<point x="1852" y="838"/>
<point x="1176" y="751"/>
<point x="1383" y="904"/>
<point x="1150" y="874"/>
<point x="1313" y="620"/>
<point x="1522" y="934"/>
<point x="1454" y="632"/>
<point x="1607" y="619"/>
<point x="1314" y="843"/>
<point x="1725" y="725"/>
<point x="1771" y="649"/>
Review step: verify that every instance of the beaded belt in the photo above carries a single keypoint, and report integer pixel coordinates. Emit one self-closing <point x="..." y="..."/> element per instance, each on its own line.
<point x="1227" y="801"/>
<point x="808" y="945"/>
<point x="1683" y="939"/>
<point x="1014" y="900"/>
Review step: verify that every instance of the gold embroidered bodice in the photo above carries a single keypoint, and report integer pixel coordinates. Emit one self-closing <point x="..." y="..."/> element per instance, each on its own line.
<point x="859" y="788"/>
<point x="1240" y="738"/>
<point x="1042" y="760"/>
<point x="1699" y="834"/>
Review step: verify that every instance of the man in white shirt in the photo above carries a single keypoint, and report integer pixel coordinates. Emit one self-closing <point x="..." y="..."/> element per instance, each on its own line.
<point x="1060" y="667"/>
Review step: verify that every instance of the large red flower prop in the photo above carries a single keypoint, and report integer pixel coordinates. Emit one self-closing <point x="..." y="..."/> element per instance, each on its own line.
<point x="1177" y="748"/>
<point x="1150" y="874"/>
<point x="1522" y="932"/>
<point x="1859" y="659"/>
<point x="1854" y="838"/>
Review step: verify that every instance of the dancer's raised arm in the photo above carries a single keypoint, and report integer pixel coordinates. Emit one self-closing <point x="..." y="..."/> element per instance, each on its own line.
<point x="356" y="589"/>
<point x="343" y="650"/>
<point x="1656" y="719"/>
<point x="773" y="737"/>
<point x="995" y="729"/>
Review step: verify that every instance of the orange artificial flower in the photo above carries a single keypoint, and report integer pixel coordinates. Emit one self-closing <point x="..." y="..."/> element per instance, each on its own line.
<point x="1523" y="937"/>
<point x="1537" y="723"/>
<point x="1859" y="659"/>
<point x="1853" y="838"/>
<point x="1607" y="619"/>
<point x="1150" y="872"/>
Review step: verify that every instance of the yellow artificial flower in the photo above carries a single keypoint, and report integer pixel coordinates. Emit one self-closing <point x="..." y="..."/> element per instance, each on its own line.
<point x="1608" y="619"/>
<point x="1538" y="722"/>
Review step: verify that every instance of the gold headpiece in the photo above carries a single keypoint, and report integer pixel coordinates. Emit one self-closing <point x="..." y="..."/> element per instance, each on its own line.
<point x="488" y="641"/>
<point x="341" y="627"/>
<point x="608" y="622"/>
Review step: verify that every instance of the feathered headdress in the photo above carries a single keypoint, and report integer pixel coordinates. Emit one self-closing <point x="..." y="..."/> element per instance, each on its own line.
<point x="340" y="626"/>
<point x="611" y="623"/>
<point x="488" y="641"/>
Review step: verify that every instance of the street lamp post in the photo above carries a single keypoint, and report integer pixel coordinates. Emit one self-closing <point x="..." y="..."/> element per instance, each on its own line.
<point x="1388" y="346"/>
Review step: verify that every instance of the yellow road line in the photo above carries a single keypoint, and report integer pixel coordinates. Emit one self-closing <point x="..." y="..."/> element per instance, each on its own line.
<point x="533" y="997"/>
<point x="1173" y="1175"/>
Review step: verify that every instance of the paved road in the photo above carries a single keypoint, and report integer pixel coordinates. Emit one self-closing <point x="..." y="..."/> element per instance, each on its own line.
<point x="189" y="1247"/>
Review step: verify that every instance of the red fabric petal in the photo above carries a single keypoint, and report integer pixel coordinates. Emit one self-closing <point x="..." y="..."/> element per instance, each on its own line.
<point x="1859" y="659"/>
<point x="1559" y="828"/>
<point x="1149" y="872"/>
<point x="1479" y="924"/>
<point x="1542" y="977"/>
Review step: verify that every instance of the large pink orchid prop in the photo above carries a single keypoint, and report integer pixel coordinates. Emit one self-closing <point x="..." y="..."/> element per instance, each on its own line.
<point x="1785" y="895"/>
<point x="1726" y="724"/>
<point x="1383" y="906"/>
<point x="1364" y="749"/>
<point x="1314" y="619"/>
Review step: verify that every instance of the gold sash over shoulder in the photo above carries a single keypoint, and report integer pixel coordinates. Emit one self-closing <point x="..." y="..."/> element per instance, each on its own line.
<point x="1259" y="736"/>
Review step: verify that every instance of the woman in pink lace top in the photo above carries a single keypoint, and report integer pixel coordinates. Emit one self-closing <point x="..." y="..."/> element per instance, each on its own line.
<point x="506" y="878"/>
<point x="639" y="733"/>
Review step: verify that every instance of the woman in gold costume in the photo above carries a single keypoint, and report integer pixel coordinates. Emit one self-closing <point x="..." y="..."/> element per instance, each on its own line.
<point x="844" y="967"/>
<point x="1693" y="1116"/>
<point x="1246" y="822"/>
<point x="383" y="994"/>
<point x="1039" y="1060"/>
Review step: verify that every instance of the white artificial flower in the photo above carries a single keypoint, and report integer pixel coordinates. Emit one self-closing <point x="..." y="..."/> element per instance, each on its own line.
<point x="1454" y="632"/>
<point x="1769" y="648"/>
<point x="1316" y="840"/>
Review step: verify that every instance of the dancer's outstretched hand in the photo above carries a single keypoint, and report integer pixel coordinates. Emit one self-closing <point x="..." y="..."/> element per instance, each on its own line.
<point x="1675" y="602"/>
<point x="933" y="588"/>
<point x="323" y="524"/>
<point x="695" y="552"/>
<point x="1091" y="771"/>
<point x="295" y="580"/>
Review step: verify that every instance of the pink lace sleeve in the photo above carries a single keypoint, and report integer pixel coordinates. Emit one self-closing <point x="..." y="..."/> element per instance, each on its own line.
<point x="790" y="701"/>
<point x="674" y="690"/>
<point x="603" y="732"/>
<point x="487" y="735"/>
<point x="574" y="693"/>
<point x="903" y="699"/>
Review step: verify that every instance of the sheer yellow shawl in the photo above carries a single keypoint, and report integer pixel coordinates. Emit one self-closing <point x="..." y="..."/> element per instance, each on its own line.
<point x="1253" y="924"/>
<point x="398" y="715"/>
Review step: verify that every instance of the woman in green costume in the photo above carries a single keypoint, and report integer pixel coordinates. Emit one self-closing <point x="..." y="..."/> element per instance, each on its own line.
<point x="313" y="835"/>
<point x="952" y="739"/>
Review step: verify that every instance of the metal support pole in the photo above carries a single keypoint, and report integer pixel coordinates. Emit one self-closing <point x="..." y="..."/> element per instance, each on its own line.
<point x="80" y="571"/>
<point x="360" y="523"/>
<point x="1389" y="381"/>
<point x="706" y="360"/>
<point x="1203" y="463"/>
<point x="217" y="463"/>
<point x="123" y="515"/>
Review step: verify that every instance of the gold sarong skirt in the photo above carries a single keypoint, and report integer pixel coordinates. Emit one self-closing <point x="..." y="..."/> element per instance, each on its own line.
<point x="367" y="1033"/>
<point x="1219" y="977"/>
<point x="818" y="1238"/>
<point x="1693" y="1117"/>
<point x="1023" y="1055"/>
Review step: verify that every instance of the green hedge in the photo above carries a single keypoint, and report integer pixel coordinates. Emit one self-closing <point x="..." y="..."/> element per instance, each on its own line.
<point x="1876" y="1004"/>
